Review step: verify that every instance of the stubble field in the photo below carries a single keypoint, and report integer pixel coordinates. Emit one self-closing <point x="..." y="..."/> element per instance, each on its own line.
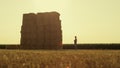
<point x="59" y="58"/>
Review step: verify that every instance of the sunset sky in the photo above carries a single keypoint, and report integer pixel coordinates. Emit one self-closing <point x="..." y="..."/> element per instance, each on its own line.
<point x="92" y="21"/>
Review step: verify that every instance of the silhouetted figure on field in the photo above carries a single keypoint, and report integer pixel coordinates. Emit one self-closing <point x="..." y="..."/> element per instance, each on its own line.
<point x="75" y="42"/>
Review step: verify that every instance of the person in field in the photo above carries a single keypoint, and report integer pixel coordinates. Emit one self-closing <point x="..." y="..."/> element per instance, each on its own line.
<point x="75" y="42"/>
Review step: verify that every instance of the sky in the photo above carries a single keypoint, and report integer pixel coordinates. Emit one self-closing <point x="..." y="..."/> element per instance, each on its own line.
<point x="92" y="21"/>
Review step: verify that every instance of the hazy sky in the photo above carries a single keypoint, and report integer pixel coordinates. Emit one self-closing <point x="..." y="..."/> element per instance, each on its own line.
<point x="92" y="21"/>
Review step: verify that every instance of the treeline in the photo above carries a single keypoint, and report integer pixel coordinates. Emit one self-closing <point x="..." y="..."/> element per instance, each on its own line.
<point x="9" y="46"/>
<point x="92" y="46"/>
<point x="71" y="46"/>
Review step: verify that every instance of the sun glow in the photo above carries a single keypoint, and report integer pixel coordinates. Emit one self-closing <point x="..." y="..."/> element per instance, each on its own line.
<point x="92" y="21"/>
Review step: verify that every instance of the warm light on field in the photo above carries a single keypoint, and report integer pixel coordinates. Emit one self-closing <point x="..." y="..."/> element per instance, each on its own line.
<point x="59" y="59"/>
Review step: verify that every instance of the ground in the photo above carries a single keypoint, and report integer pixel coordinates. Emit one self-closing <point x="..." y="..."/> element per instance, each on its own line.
<point x="59" y="58"/>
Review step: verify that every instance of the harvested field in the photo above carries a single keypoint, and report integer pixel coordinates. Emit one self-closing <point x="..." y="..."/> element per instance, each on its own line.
<point x="59" y="58"/>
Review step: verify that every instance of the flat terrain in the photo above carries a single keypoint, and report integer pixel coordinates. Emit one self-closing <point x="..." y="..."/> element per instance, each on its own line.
<point x="59" y="58"/>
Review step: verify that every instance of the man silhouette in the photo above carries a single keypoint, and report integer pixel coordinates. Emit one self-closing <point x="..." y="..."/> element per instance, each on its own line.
<point x="75" y="42"/>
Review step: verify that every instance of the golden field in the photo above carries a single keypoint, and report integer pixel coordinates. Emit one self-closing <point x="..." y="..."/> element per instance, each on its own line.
<point x="59" y="58"/>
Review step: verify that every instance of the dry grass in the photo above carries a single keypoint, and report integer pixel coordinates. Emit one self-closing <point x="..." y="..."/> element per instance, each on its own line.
<point x="59" y="58"/>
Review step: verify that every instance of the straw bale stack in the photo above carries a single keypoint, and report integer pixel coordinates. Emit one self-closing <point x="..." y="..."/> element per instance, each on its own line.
<point x="41" y="31"/>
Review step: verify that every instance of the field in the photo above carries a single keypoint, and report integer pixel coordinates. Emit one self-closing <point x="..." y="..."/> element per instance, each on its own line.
<point x="59" y="58"/>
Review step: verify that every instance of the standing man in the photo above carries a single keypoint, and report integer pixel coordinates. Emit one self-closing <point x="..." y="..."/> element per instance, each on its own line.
<point x="75" y="42"/>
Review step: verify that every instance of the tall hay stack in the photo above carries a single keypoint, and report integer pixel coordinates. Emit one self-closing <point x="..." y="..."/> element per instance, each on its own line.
<point x="41" y="31"/>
